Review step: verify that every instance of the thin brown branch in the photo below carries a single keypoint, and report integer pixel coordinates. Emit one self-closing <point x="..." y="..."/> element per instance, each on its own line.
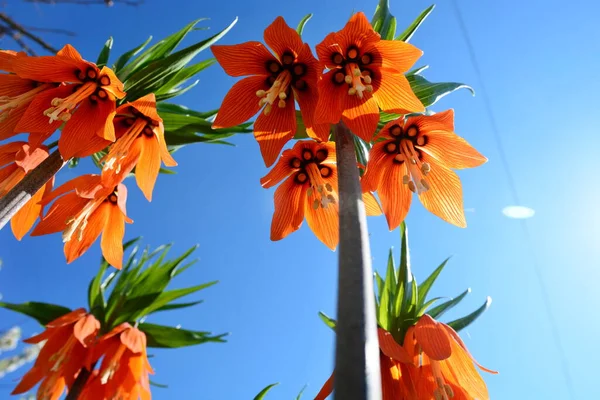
<point x="51" y="30"/>
<point x="15" y="27"/>
<point x="108" y="3"/>
<point x="16" y="36"/>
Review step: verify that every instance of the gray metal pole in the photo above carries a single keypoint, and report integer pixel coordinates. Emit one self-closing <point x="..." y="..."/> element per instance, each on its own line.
<point x="16" y="198"/>
<point x="357" y="375"/>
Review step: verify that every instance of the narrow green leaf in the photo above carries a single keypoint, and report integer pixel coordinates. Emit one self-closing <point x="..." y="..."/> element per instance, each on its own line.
<point x="179" y="109"/>
<point x="300" y="127"/>
<point x="362" y="151"/>
<point x="385" y="314"/>
<point x="168" y="296"/>
<point x="167" y="171"/>
<point x="426" y="285"/>
<point x="429" y="93"/>
<point x="330" y="322"/>
<point x="428" y="304"/>
<point x="41" y="312"/>
<point x="169" y="337"/>
<point x="380" y="283"/>
<point x="383" y="21"/>
<point x="301" y="392"/>
<point x="105" y="53"/>
<point x="183" y="75"/>
<point x="125" y="57"/>
<point x="438" y="311"/>
<point x="176" y="92"/>
<point x="302" y="23"/>
<point x="404" y="273"/>
<point x="412" y="28"/>
<point x="261" y="395"/>
<point x="158" y="385"/>
<point x="465" y="321"/>
<point x="175" y="306"/>
<point x="417" y="71"/>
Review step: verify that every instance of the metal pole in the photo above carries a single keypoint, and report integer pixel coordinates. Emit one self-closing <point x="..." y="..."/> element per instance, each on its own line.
<point x="357" y="375"/>
<point x="16" y="198"/>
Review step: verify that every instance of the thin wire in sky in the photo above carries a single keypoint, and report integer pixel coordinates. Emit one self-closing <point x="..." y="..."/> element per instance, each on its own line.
<point x="564" y="363"/>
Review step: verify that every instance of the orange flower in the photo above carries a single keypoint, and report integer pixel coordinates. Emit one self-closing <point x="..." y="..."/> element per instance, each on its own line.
<point x="16" y="94"/>
<point x="274" y="83"/>
<point x="87" y="102"/>
<point x="416" y="156"/>
<point x="364" y="72"/>
<point x="67" y="345"/>
<point x="125" y="367"/>
<point x="433" y="364"/>
<point x="140" y="144"/>
<point x="16" y="160"/>
<point x="84" y="209"/>
<point x="310" y="191"/>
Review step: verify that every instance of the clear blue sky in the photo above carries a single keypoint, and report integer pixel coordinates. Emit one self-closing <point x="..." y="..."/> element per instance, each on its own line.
<point x="540" y="62"/>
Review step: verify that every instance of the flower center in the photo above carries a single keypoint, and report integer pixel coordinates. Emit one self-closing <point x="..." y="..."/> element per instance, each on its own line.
<point x="120" y="149"/>
<point x="312" y="171"/>
<point x="403" y="147"/>
<point x="78" y="223"/>
<point x="359" y="81"/>
<point x="353" y="70"/>
<point x="61" y="108"/>
<point x="278" y="91"/>
<point x="7" y="103"/>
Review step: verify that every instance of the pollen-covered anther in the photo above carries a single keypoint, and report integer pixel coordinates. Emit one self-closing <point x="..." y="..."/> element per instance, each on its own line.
<point x="425" y="168"/>
<point x="412" y="186"/>
<point x="267" y="109"/>
<point x="261" y="93"/>
<point x="367" y="79"/>
<point x="61" y="108"/>
<point x="348" y="79"/>
<point x="281" y="103"/>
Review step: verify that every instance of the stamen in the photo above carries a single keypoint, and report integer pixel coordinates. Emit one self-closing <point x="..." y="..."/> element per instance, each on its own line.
<point x="261" y="93"/>
<point x="120" y="149"/>
<point x="355" y="78"/>
<point x="63" y="107"/>
<point x="276" y="92"/>
<point x="417" y="169"/>
<point x="320" y="188"/>
<point x="267" y="110"/>
<point x="367" y="79"/>
<point x="348" y="79"/>
<point x="281" y="104"/>
<point x="79" y="222"/>
<point x="8" y="103"/>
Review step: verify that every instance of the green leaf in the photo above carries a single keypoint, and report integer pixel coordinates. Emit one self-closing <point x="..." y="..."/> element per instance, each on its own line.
<point x="157" y="73"/>
<point x="428" y="304"/>
<point x="183" y="75"/>
<point x="383" y="21"/>
<point x="125" y="57"/>
<point x="404" y="274"/>
<point x="179" y="109"/>
<point x="463" y="322"/>
<point x="330" y="322"/>
<point x="176" y="92"/>
<point x="362" y="151"/>
<point x="303" y="21"/>
<point x="380" y="284"/>
<point x="409" y="32"/>
<point x="169" y="337"/>
<point x="426" y="285"/>
<point x="417" y="71"/>
<point x="437" y="312"/>
<point x="301" y="392"/>
<point x="41" y="312"/>
<point x="105" y="53"/>
<point x="166" y="297"/>
<point x="175" y="306"/>
<point x="167" y="171"/>
<point x="261" y="395"/>
<point x="429" y="93"/>
<point x="389" y="290"/>
<point x="158" y="385"/>
<point x="300" y="127"/>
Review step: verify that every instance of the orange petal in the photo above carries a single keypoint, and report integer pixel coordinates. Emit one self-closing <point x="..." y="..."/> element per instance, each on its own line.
<point x="50" y="68"/>
<point x="444" y="197"/>
<point x="398" y="55"/>
<point x="134" y="339"/>
<point x="442" y="121"/>
<point x="281" y="38"/>
<point x="97" y="221"/>
<point x="273" y="131"/>
<point x="146" y="105"/>
<point x="331" y="100"/>
<point x="391" y="386"/>
<point x="112" y="237"/>
<point x="34" y="120"/>
<point x="30" y="157"/>
<point x="281" y="170"/>
<point x="66" y="319"/>
<point x="9" y="123"/>
<point x="371" y="205"/>
<point x="116" y="86"/>
<point x="391" y="348"/>
<point x="240" y="103"/>
<point x="6" y="60"/>
<point x="358" y="32"/>
<point x="361" y="116"/>
<point x="453" y="151"/>
<point x="9" y="177"/>
<point x="82" y="181"/>
<point x="394" y="194"/>
<point x="326" y="390"/>
<point x="9" y="150"/>
<point x="148" y="165"/>
<point x="29" y="380"/>
<point x="307" y="100"/>
<point x="433" y="338"/>
<point x="165" y="156"/>
<point x="122" y="200"/>
<point x="69" y="52"/>
<point x="461" y="367"/>
<point x="289" y="209"/>
<point x="86" y="329"/>
<point x="13" y="85"/>
<point x="89" y="130"/>
<point x="249" y="58"/>
<point x="324" y="222"/>
<point x="458" y="340"/>
<point x="24" y="219"/>
<point x="327" y="48"/>
<point x="394" y="94"/>
<point x="378" y="161"/>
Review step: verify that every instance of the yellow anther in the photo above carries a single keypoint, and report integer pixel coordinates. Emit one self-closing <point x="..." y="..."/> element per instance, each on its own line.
<point x="369" y="88"/>
<point x="425" y="184"/>
<point x="281" y="104"/>
<point x="367" y="79"/>
<point x="412" y="187"/>
<point x="449" y="390"/>
<point x="260" y="93"/>
<point x="348" y="79"/>
<point x="282" y="95"/>
<point x="405" y="179"/>
<point x="56" y="102"/>
<point x="356" y="72"/>
<point x="262" y="102"/>
<point x="351" y="91"/>
<point x="425" y="168"/>
<point x="267" y="110"/>
<point x="315" y="204"/>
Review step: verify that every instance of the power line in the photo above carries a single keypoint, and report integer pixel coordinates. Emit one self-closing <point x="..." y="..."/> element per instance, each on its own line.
<point x="515" y="197"/>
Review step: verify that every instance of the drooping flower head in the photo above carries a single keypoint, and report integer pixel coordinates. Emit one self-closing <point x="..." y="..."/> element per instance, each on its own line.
<point x="365" y="74"/>
<point x="124" y="371"/>
<point x="86" y="102"/>
<point x="85" y="208"/>
<point x="310" y="191"/>
<point x="275" y="82"/>
<point x="140" y="144"/>
<point x="68" y="340"/>
<point x="16" y="94"/>
<point x="416" y="156"/>
<point x="16" y="160"/>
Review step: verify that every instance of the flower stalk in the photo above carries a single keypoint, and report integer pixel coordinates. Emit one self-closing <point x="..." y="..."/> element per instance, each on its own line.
<point x="357" y="374"/>
<point x="79" y="384"/>
<point x="16" y="198"/>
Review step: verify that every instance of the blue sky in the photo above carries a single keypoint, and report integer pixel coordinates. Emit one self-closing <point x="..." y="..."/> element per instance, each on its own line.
<point x="539" y="60"/>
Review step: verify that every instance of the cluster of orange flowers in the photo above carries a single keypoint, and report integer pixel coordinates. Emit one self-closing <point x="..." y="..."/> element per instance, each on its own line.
<point x="72" y="344"/>
<point x="364" y="74"/>
<point x="433" y="363"/>
<point x="39" y="95"/>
